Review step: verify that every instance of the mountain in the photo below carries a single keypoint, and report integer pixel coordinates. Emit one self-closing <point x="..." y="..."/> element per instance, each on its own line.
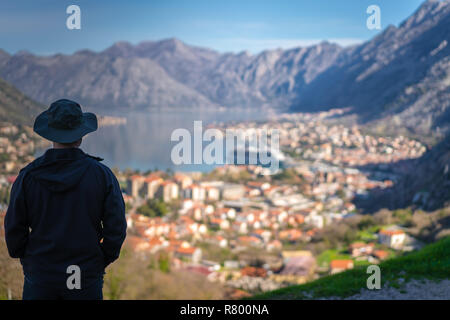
<point x="197" y="68"/>
<point x="15" y="107"/>
<point x="402" y="76"/>
<point x="426" y="184"/>
<point x="168" y="73"/>
<point x="98" y="80"/>
<point x="399" y="79"/>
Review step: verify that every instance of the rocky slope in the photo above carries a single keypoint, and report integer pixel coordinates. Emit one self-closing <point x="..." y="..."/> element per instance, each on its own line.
<point x="412" y="290"/>
<point x="426" y="184"/>
<point x="402" y="76"/>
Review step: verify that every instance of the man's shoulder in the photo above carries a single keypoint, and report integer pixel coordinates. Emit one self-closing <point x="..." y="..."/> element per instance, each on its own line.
<point x="31" y="165"/>
<point x="94" y="157"/>
<point x="96" y="162"/>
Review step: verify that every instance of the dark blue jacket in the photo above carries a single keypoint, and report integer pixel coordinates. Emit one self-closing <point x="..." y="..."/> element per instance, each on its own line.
<point x="62" y="205"/>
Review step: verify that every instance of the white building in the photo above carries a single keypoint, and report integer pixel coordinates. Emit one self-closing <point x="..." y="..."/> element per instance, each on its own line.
<point x="392" y="238"/>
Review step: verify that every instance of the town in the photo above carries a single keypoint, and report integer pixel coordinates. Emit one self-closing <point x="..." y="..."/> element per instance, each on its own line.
<point x="251" y="231"/>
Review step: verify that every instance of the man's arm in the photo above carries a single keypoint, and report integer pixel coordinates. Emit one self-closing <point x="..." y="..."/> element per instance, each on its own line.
<point x="16" y="221"/>
<point x="114" y="222"/>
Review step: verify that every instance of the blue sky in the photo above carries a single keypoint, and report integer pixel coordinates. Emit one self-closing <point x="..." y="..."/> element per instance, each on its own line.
<point x="39" y="26"/>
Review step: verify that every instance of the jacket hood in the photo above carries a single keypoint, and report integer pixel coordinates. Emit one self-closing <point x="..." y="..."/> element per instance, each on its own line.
<point x="59" y="170"/>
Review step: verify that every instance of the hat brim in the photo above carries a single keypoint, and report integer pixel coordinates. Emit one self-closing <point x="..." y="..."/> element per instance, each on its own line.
<point x="88" y="124"/>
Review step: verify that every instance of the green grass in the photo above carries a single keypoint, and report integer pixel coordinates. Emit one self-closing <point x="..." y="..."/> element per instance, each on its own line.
<point x="365" y="235"/>
<point x="361" y="263"/>
<point x="332" y="254"/>
<point x="432" y="262"/>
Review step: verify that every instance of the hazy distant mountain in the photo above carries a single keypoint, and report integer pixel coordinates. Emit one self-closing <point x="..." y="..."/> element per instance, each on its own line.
<point x="98" y="80"/>
<point x="403" y="71"/>
<point x="429" y="184"/>
<point x="426" y="184"/>
<point x="168" y="73"/>
<point x="16" y="107"/>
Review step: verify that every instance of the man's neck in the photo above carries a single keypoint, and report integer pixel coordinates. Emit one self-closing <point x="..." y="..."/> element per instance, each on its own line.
<point x="61" y="146"/>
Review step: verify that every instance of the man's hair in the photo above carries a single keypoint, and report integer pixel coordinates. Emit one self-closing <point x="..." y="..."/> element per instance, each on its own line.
<point x="72" y="144"/>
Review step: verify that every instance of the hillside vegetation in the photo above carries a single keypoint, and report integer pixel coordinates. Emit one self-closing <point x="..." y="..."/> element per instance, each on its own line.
<point x="432" y="263"/>
<point x="15" y="107"/>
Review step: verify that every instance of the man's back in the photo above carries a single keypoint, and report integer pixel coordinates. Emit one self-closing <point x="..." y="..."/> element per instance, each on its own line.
<point x="66" y="209"/>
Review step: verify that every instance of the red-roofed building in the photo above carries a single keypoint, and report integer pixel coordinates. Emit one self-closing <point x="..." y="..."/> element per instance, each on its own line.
<point x="254" y="272"/>
<point x="290" y="235"/>
<point x="134" y="185"/>
<point x="199" y="269"/>
<point x="212" y="193"/>
<point x="138" y="244"/>
<point x="167" y="191"/>
<point x="151" y="184"/>
<point x="226" y="213"/>
<point x="194" y="192"/>
<point x="249" y="241"/>
<point x="359" y="249"/>
<point x="219" y="223"/>
<point x="258" y="185"/>
<point x="380" y="254"/>
<point x="217" y="240"/>
<point x="340" y="265"/>
<point x="191" y="253"/>
<point x="182" y="179"/>
<point x="274" y="245"/>
<point x="11" y="179"/>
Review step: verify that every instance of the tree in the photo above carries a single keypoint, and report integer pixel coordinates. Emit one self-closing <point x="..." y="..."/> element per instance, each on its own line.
<point x="164" y="263"/>
<point x="133" y="276"/>
<point x="288" y="175"/>
<point x="153" y="208"/>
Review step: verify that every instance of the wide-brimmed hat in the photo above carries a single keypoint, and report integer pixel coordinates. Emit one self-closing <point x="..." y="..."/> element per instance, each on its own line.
<point x="64" y="122"/>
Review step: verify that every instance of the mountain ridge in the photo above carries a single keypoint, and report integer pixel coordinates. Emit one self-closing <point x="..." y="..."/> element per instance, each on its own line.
<point x="382" y="73"/>
<point x="399" y="78"/>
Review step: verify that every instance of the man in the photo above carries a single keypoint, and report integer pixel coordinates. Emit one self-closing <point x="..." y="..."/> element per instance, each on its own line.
<point x="66" y="217"/>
